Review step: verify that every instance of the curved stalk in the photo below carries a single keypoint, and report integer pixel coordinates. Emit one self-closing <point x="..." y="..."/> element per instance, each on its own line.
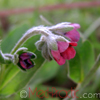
<point x="31" y="32"/>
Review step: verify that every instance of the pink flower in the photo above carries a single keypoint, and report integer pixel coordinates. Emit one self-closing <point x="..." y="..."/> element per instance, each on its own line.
<point x="73" y="35"/>
<point x="65" y="49"/>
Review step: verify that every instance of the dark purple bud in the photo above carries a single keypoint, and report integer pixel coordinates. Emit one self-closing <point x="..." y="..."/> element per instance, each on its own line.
<point x="27" y="55"/>
<point x="25" y="61"/>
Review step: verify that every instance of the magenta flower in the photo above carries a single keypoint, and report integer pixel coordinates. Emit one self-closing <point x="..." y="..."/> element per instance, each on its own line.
<point x="65" y="52"/>
<point x="25" y="61"/>
<point x="59" y="42"/>
<point x="65" y="49"/>
<point x="73" y="35"/>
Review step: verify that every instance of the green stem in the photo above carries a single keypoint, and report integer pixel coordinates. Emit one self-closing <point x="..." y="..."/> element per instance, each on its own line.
<point x="93" y="27"/>
<point x="45" y="21"/>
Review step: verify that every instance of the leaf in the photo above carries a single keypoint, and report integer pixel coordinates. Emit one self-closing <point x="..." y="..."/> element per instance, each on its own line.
<point x="83" y="61"/>
<point x="9" y="42"/>
<point x="75" y="68"/>
<point x="47" y="71"/>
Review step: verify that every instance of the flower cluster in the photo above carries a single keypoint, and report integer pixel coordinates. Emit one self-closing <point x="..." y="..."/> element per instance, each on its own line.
<point x="59" y="44"/>
<point x="65" y="49"/>
<point x="56" y="43"/>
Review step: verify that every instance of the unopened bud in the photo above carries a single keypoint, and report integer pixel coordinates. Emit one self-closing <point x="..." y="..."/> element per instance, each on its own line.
<point x="45" y="53"/>
<point x="61" y="28"/>
<point x="39" y="44"/>
<point x="51" y="42"/>
<point x="61" y="38"/>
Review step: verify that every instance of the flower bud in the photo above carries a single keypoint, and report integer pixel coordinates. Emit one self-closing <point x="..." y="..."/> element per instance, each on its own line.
<point x="61" y="28"/>
<point x="39" y="44"/>
<point x="46" y="52"/>
<point x="16" y="54"/>
<point x="42" y="46"/>
<point x="61" y="38"/>
<point x="24" y="58"/>
<point x="51" y="42"/>
<point x="59" y="46"/>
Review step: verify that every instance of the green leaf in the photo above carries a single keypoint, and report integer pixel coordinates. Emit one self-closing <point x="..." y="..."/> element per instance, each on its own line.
<point x="15" y="80"/>
<point x="83" y="61"/>
<point x="75" y="68"/>
<point x="9" y="42"/>
<point x="47" y="71"/>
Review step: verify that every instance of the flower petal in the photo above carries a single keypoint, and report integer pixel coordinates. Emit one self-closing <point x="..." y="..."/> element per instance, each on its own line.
<point x="62" y="46"/>
<point x="26" y="64"/>
<point x="25" y="56"/>
<point x="29" y="64"/>
<point x="61" y="61"/>
<point x="55" y="54"/>
<point x="69" y="53"/>
<point x="73" y="35"/>
<point x="73" y="43"/>
<point x="23" y="64"/>
<point x="58" y="58"/>
<point x="75" y="25"/>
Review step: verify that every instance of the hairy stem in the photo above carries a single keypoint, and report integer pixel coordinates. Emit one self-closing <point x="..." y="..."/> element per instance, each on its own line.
<point x="31" y="32"/>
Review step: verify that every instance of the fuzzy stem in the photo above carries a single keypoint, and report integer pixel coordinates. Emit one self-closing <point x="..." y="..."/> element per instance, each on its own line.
<point x="31" y="32"/>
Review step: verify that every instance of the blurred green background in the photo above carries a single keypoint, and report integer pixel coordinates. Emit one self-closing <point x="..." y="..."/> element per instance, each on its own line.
<point x="49" y="74"/>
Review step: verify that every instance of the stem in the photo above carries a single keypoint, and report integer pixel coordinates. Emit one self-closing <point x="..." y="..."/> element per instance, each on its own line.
<point x="8" y="55"/>
<point x="3" y="58"/>
<point x="31" y="32"/>
<point x="92" y="28"/>
<point x="87" y="79"/>
<point x="45" y="20"/>
<point x="2" y="70"/>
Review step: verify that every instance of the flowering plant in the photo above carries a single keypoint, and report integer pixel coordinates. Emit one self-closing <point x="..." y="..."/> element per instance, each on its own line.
<point x="55" y="43"/>
<point x="43" y="49"/>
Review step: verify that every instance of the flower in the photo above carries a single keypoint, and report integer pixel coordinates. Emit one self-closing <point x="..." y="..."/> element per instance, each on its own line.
<point x="73" y="35"/>
<point x="58" y="45"/>
<point x="25" y="61"/>
<point x="65" y="51"/>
